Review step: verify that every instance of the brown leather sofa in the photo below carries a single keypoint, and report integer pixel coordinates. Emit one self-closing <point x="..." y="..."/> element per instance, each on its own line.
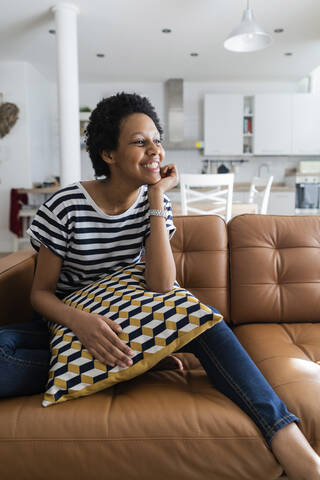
<point x="263" y="273"/>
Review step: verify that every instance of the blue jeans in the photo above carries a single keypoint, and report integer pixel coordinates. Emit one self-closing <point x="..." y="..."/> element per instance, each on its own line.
<point x="232" y="372"/>
<point x="25" y="357"/>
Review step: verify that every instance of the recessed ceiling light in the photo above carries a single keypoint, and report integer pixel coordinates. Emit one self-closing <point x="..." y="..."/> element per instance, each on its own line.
<point x="52" y="31"/>
<point x="288" y="54"/>
<point x="100" y="55"/>
<point x="166" y="30"/>
<point x="278" y="30"/>
<point x="194" y="54"/>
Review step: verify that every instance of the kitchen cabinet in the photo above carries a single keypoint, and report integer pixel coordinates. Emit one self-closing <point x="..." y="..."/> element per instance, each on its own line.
<point x="223" y="119"/>
<point x="273" y="124"/>
<point x="282" y="203"/>
<point x="262" y="124"/>
<point x="306" y="124"/>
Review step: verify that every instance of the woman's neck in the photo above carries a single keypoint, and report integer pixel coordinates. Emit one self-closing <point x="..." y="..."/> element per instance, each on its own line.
<point x="117" y="193"/>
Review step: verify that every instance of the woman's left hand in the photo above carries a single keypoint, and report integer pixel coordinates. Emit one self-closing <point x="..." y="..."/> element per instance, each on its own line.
<point x="169" y="178"/>
<point x="169" y="363"/>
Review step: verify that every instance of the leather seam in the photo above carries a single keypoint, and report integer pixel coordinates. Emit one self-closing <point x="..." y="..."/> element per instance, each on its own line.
<point x="294" y="342"/>
<point x="274" y="248"/>
<point x="128" y="439"/>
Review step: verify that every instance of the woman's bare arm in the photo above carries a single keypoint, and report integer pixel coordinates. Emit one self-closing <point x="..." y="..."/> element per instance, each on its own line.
<point x="160" y="272"/>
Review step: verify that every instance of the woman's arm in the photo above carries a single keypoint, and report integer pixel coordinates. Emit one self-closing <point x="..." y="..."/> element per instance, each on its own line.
<point x="95" y="332"/>
<point x="160" y="272"/>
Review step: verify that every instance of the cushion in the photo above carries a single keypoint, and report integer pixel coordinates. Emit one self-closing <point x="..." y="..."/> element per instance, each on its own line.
<point x="153" y="325"/>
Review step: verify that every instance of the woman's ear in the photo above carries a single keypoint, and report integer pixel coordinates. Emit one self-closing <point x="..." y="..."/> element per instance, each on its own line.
<point x="107" y="157"/>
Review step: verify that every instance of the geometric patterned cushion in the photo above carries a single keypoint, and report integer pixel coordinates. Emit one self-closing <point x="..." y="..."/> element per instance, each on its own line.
<point x="153" y="325"/>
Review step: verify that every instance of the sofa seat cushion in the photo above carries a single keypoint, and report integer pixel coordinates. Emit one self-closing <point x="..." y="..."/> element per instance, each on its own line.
<point x="288" y="355"/>
<point x="168" y="424"/>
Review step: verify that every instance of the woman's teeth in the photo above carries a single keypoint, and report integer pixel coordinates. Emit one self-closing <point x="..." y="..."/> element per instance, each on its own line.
<point x="152" y="165"/>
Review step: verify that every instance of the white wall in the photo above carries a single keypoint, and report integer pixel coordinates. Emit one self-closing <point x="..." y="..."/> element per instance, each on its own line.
<point x="315" y="81"/>
<point x="15" y="167"/>
<point x="42" y="125"/>
<point x="28" y="152"/>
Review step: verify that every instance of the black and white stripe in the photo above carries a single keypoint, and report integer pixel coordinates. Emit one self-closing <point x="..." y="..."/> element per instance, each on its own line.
<point x="90" y="242"/>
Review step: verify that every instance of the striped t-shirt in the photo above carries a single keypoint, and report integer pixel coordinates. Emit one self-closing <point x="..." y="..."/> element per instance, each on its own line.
<point x="91" y="242"/>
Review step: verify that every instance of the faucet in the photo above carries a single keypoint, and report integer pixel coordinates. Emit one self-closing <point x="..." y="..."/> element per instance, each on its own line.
<point x="266" y="165"/>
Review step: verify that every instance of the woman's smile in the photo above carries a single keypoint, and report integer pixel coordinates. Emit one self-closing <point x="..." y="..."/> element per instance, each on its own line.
<point x="152" y="166"/>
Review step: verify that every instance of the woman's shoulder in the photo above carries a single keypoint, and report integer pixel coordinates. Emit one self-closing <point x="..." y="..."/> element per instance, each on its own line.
<point x="67" y="193"/>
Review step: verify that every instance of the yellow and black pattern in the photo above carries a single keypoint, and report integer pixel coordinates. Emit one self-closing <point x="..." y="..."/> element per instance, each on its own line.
<point x="153" y="325"/>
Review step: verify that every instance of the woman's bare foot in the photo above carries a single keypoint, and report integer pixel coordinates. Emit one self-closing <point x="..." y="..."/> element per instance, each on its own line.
<point x="295" y="454"/>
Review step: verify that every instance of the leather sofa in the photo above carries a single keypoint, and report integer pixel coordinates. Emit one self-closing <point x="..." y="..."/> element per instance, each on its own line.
<point x="263" y="273"/>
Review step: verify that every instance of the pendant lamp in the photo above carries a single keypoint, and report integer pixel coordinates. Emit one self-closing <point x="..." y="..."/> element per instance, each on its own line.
<point x="248" y="36"/>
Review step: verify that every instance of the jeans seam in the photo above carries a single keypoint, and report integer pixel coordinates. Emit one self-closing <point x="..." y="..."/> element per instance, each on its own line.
<point x="283" y="419"/>
<point x="238" y="390"/>
<point x="17" y="361"/>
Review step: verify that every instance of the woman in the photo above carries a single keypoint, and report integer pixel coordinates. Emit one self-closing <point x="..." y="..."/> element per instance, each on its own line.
<point x="75" y="246"/>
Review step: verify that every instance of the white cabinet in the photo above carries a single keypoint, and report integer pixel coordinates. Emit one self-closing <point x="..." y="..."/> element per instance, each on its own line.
<point x="223" y="119"/>
<point x="273" y="120"/>
<point x="282" y="203"/>
<point x="306" y="124"/>
<point x="275" y="124"/>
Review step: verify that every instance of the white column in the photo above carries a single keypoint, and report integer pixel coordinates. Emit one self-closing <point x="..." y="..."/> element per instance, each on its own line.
<point x="68" y="91"/>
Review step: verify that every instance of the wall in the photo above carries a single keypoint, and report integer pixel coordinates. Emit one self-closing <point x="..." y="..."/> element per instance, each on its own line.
<point x="27" y="153"/>
<point x="42" y="125"/>
<point x="15" y="168"/>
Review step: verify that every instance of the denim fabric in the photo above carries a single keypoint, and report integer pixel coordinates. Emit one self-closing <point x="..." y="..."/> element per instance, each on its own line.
<point x="24" y="358"/>
<point x="232" y="372"/>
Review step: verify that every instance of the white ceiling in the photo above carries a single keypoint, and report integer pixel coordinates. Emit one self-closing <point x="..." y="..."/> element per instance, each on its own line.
<point x="129" y="33"/>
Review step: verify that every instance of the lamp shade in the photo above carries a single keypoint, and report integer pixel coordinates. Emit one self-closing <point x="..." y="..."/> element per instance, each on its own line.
<point x="248" y="36"/>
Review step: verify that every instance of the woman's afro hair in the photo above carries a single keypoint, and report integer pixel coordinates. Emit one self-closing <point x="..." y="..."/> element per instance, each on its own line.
<point x="103" y="129"/>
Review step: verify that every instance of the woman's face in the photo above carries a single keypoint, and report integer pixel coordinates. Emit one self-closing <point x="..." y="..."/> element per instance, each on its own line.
<point x="139" y="153"/>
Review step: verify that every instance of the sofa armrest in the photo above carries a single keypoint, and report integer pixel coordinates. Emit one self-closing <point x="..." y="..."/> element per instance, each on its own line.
<point x="16" y="276"/>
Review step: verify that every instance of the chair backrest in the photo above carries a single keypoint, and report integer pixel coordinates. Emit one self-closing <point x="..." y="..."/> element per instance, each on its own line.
<point x="261" y="195"/>
<point x="218" y="199"/>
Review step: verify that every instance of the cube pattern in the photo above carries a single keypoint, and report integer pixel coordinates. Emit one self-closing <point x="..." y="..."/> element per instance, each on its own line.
<point x="153" y="325"/>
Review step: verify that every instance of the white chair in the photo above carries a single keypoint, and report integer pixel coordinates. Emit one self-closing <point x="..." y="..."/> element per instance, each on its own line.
<point x="260" y="196"/>
<point x="217" y="199"/>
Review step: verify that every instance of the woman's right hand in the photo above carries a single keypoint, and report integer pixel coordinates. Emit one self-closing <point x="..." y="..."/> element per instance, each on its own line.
<point x="99" y="335"/>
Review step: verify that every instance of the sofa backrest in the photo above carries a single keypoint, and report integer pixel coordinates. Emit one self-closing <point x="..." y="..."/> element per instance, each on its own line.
<point x="200" y="249"/>
<point x="274" y="269"/>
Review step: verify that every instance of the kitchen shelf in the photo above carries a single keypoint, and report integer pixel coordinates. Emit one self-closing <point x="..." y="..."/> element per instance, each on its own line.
<point x="248" y="116"/>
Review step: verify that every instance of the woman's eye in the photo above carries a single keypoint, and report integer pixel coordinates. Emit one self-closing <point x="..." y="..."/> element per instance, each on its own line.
<point x="139" y="142"/>
<point x="157" y="140"/>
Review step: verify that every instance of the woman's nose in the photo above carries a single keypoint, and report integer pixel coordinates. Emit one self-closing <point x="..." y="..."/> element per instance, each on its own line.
<point x="153" y="148"/>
